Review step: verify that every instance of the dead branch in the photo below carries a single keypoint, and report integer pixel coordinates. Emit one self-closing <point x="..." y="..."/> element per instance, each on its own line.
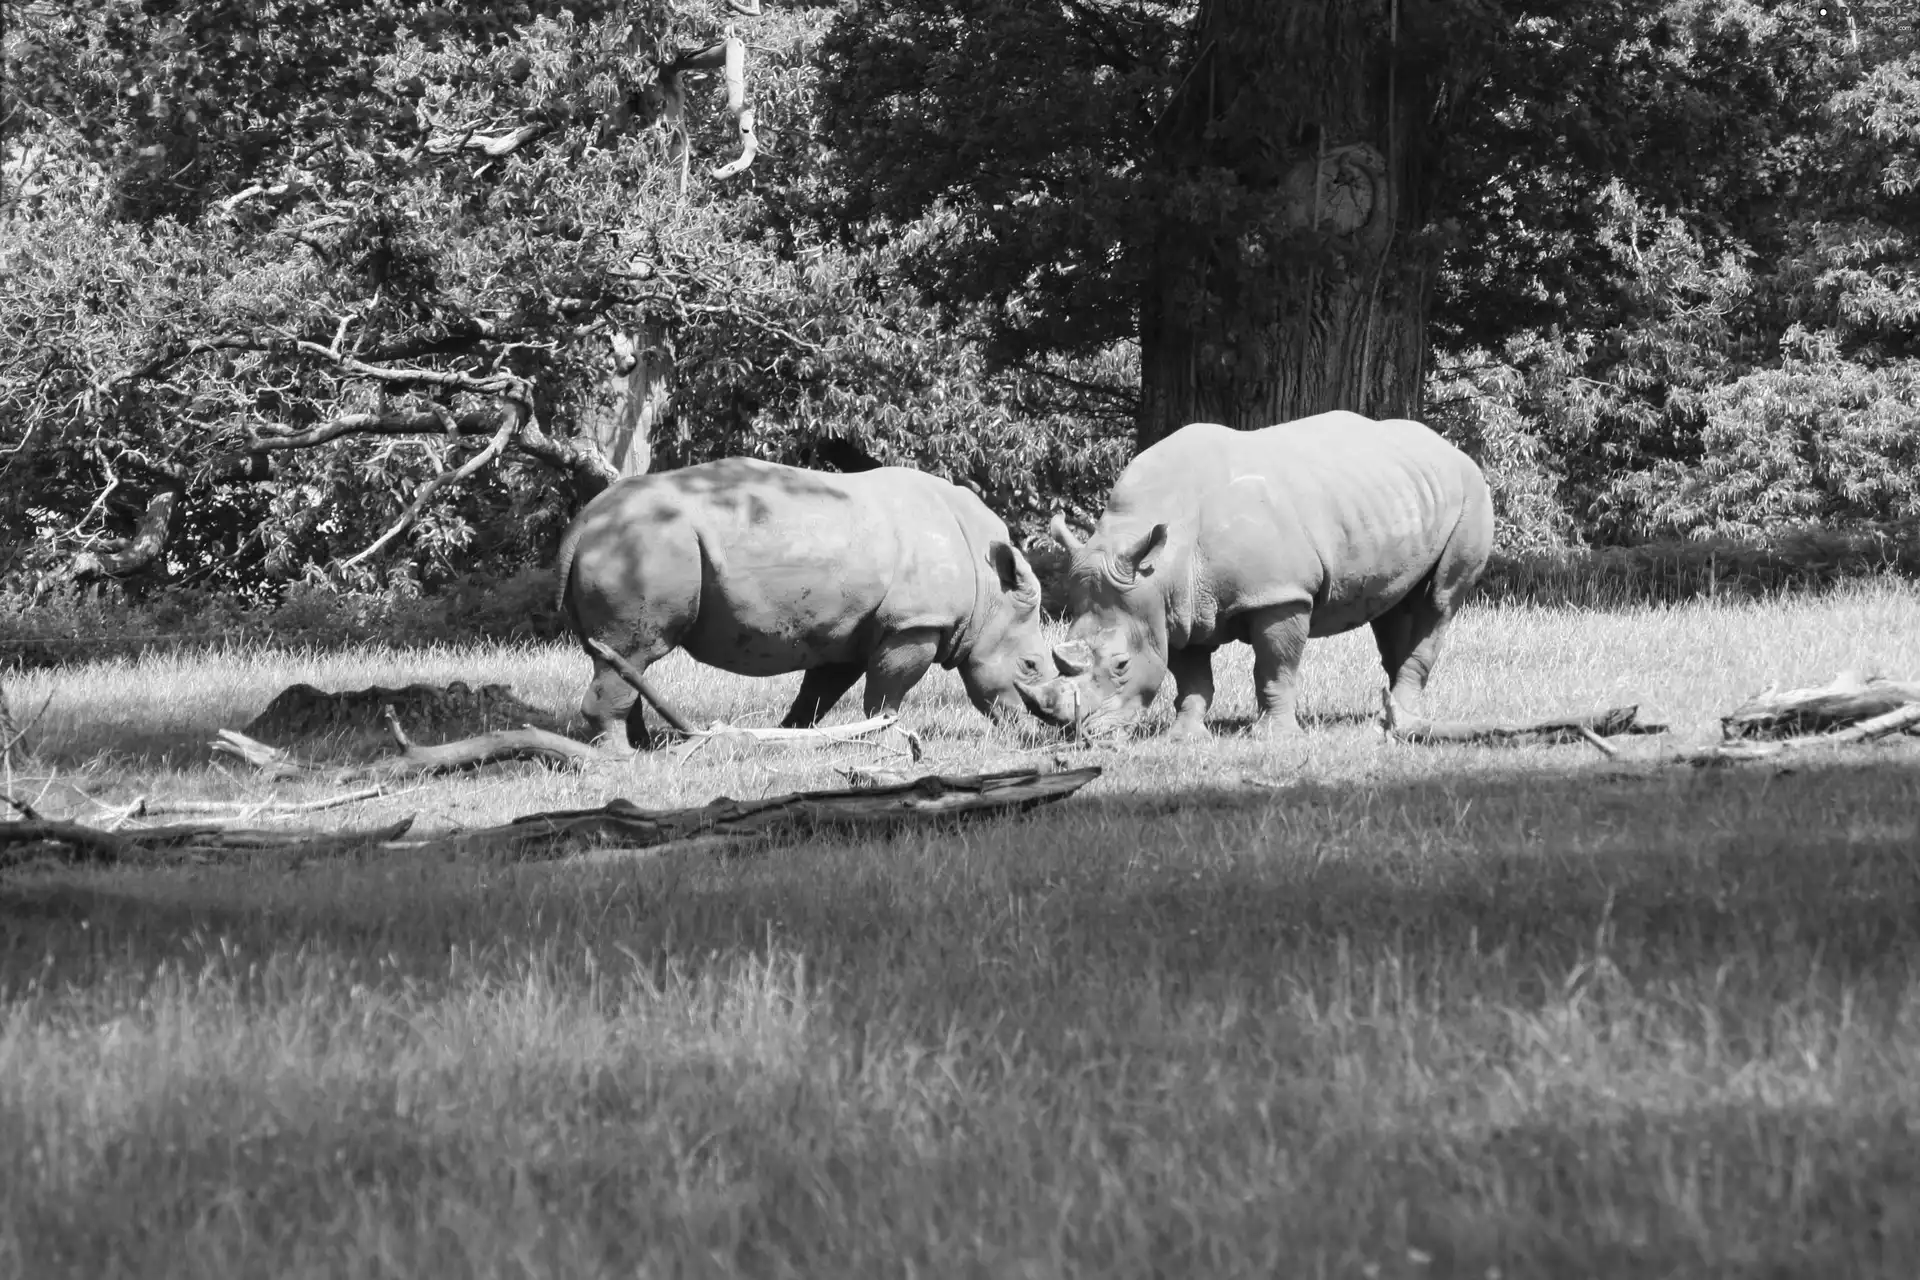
<point x="736" y="62"/>
<point x="146" y="808"/>
<point x="494" y="146"/>
<point x="1588" y="728"/>
<point x="1902" y="719"/>
<point x="811" y="736"/>
<point x="426" y="492"/>
<point x="1847" y="699"/>
<point x="524" y="743"/>
<point x="148" y="541"/>
<point x="434" y="421"/>
<point x="631" y="830"/>
<point x="642" y="686"/>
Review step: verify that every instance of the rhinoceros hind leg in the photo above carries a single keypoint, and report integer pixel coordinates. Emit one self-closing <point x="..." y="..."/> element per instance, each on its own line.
<point x="896" y="665"/>
<point x="820" y="688"/>
<point x="1279" y="637"/>
<point x="613" y="709"/>
<point x="1192" y="692"/>
<point x="1410" y="636"/>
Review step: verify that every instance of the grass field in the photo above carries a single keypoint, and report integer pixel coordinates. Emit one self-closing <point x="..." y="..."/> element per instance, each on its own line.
<point x="1333" y="1006"/>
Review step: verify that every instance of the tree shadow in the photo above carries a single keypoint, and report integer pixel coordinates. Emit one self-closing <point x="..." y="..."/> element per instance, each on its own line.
<point x="1678" y="875"/>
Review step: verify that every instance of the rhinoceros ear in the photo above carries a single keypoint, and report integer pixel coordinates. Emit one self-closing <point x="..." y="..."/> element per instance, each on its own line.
<point x="1073" y="657"/>
<point x="1062" y="534"/>
<point x="1131" y="563"/>
<point x="1016" y="575"/>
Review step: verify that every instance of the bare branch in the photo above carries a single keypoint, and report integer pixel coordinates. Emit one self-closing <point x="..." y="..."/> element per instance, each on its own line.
<point x="735" y="54"/>
<point x="426" y="491"/>
<point x="494" y="146"/>
<point x="434" y="421"/>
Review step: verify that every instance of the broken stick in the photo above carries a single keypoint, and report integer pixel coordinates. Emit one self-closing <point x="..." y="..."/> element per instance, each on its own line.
<point x="632" y="675"/>
<point x="1591" y="729"/>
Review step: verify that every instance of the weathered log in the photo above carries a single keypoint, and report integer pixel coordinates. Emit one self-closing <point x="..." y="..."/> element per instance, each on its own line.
<point x="1847" y="699"/>
<point x="75" y="843"/>
<point x="1592" y="728"/>
<point x="625" y="825"/>
<point x="1903" y="719"/>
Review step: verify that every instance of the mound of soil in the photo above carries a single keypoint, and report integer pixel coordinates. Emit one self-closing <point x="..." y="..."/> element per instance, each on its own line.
<point x="351" y="721"/>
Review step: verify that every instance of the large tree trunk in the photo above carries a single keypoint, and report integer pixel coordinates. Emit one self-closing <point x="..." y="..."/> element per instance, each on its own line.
<point x="1287" y="277"/>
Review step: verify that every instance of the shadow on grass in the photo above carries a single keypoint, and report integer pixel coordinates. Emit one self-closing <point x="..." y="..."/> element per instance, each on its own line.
<point x="1763" y="879"/>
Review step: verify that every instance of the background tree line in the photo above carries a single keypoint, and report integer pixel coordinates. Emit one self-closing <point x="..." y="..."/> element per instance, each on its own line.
<point x="376" y="292"/>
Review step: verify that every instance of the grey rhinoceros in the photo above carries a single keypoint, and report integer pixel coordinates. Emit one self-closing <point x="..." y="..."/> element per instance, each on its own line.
<point x="763" y="569"/>
<point x="1305" y="529"/>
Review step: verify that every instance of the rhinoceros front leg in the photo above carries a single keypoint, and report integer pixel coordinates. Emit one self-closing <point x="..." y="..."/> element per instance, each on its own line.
<point x="1279" y="637"/>
<point x="1192" y="692"/>
<point x="896" y="665"/>
<point x="820" y="688"/>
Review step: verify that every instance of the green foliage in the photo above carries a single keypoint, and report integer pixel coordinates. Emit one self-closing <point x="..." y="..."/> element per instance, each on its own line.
<point x="72" y="625"/>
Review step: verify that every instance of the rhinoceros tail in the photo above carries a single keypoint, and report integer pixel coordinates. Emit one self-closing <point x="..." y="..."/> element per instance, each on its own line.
<point x="563" y="575"/>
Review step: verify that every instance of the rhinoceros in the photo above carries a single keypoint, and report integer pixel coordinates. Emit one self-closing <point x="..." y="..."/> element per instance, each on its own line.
<point x="1310" y="528"/>
<point x="763" y="569"/>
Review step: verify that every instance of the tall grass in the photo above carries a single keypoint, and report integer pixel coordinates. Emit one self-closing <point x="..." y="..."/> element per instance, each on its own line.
<point x="1326" y="1006"/>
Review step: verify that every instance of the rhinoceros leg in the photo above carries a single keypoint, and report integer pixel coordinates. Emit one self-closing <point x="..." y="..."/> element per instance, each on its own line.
<point x="1192" y="691"/>
<point x="612" y="708"/>
<point x="1279" y="636"/>
<point x="896" y="665"/>
<point x="820" y="688"/>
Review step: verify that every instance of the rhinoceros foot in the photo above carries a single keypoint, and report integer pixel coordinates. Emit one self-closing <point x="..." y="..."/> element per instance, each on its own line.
<point x="1189" y="729"/>
<point x="1269" y="726"/>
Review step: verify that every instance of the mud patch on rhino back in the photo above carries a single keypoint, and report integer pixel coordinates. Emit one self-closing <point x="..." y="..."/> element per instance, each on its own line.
<point x="349" y="723"/>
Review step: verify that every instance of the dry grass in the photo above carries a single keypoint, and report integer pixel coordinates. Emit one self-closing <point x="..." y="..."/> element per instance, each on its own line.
<point x="1333" y="1006"/>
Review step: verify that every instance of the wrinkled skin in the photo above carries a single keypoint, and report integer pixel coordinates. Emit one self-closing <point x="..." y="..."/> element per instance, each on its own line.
<point x="1306" y="529"/>
<point x="762" y="569"/>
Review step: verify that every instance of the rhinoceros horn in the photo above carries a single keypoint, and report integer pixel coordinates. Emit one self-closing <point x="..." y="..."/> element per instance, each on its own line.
<point x="1062" y="534"/>
<point x="1073" y="657"/>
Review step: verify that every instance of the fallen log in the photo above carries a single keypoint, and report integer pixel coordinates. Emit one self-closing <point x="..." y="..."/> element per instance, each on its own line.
<point x="1592" y="729"/>
<point x="624" y="825"/>
<point x="73" y="842"/>
<point x="1847" y="699"/>
<point x="1904" y="719"/>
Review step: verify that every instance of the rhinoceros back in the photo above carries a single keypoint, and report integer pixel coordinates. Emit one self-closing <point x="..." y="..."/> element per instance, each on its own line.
<point x="759" y="568"/>
<point x="1339" y="510"/>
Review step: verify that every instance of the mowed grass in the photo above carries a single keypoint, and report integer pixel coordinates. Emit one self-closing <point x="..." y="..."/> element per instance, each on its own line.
<point x="1333" y="1006"/>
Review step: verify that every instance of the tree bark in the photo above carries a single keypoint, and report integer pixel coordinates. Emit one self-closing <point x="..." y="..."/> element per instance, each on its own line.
<point x="148" y="542"/>
<point x="1287" y="276"/>
<point x="624" y="410"/>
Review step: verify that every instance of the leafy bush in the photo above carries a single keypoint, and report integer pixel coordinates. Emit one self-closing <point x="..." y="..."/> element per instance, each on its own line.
<point x="78" y="624"/>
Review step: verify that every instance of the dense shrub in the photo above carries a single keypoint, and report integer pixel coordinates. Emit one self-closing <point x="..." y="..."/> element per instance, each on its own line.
<point x="83" y="624"/>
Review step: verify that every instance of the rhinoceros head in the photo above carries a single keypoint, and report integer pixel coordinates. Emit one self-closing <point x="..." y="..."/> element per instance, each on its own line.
<point x="1005" y="649"/>
<point x="1115" y="657"/>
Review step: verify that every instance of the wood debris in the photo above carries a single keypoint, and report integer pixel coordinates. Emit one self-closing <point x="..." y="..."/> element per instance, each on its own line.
<point x="623" y="829"/>
<point x="1592" y="729"/>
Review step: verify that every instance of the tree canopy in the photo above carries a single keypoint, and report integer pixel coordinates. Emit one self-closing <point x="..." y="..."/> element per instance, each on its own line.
<point x="380" y="291"/>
